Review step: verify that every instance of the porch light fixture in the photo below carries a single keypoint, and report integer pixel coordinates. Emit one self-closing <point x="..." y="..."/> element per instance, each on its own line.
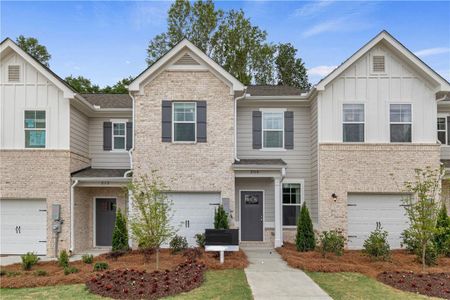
<point x="334" y="196"/>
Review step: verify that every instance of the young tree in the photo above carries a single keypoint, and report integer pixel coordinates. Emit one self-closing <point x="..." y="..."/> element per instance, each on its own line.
<point x="150" y="220"/>
<point x="221" y="218"/>
<point x="120" y="233"/>
<point x="305" y="239"/>
<point x="31" y="46"/>
<point x="422" y="207"/>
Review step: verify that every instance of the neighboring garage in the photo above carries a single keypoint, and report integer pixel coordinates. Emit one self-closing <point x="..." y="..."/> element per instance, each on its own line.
<point x="365" y="210"/>
<point x="193" y="213"/>
<point x="23" y="226"/>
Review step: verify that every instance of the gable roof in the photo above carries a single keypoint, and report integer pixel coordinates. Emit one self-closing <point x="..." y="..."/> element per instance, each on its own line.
<point x="385" y="36"/>
<point x="109" y="100"/>
<point x="135" y="85"/>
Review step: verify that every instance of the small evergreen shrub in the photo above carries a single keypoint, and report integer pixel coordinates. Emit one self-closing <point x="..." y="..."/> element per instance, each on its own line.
<point x="200" y="239"/>
<point x="305" y="239"/>
<point x="12" y="273"/>
<point x="446" y="248"/>
<point x="69" y="270"/>
<point x="29" y="260"/>
<point x="178" y="243"/>
<point x="408" y="241"/>
<point x="376" y="245"/>
<point x="120" y="233"/>
<point x="332" y="242"/>
<point x="87" y="258"/>
<point x="220" y="218"/>
<point x="63" y="259"/>
<point x="442" y="237"/>
<point x="41" y="273"/>
<point x="100" y="266"/>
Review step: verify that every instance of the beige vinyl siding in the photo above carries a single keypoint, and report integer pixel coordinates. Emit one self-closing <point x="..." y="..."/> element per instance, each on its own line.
<point x="314" y="203"/>
<point x="258" y="184"/>
<point x="105" y="159"/>
<point x="79" y="132"/>
<point x="445" y="149"/>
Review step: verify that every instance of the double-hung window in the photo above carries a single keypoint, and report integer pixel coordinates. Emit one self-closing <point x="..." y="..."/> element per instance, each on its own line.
<point x="401" y="123"/>
<point x="292" y="199"/>
<point x="35" y="129"/>
<point x="119" y="136"/>
<point x="184" y="121"/>
<point x="273" y="130"/>
<point x="353" y="123"/>
<point x="442" y="130"/>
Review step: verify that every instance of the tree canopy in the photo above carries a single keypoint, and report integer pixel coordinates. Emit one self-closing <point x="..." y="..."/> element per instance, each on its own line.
<point x="31" y="46"/>
<point x="84" y="85"/>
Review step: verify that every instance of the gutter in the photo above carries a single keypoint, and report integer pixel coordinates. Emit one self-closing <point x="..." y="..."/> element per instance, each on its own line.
<point x="235" y="122"/>
<point x="130" y="152"/>
<point x="72" y="216"/>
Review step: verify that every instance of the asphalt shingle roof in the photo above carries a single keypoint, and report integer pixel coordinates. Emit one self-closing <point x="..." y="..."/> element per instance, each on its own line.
<point x="261" y="162"/>
<point x="273" y="90"/>
<point x="109" y="100"/>
<point x="89" y="172"/>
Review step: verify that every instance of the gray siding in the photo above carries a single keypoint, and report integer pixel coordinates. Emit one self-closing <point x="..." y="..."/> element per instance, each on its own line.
<point x="79" y="132"/>
<point x="258" y="184"/>
<point x="314" y="203"/>
<point x="445" y="149"/>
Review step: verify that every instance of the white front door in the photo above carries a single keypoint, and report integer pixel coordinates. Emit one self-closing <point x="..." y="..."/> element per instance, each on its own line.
<point x="23" y="226"/>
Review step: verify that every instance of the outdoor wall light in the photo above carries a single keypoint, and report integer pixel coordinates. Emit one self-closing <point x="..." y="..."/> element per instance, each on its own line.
<point x="334" y="196"/>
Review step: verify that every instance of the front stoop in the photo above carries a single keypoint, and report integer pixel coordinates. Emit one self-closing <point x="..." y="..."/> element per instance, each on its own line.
<point x="255" y="245"/>
<point x="270" y="277"/>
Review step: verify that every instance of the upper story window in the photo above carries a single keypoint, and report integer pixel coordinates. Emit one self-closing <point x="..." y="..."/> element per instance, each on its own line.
<point x="35" y="128"/>
<point x="353" y="122"/>
<point x="442" y="130"/>
<point x="273" y="129"/>
<point x="184" y="121"/>
<point x="378" y="64"/>
<point x="14" y="73"/>
<point x="292" y="199"/>
<point x="119" y="136"/>
<point x="401" y="123"/>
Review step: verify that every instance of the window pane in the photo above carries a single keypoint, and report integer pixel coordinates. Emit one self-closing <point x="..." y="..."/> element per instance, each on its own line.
<point x="184" y="132"/>
<point x="119" y="142"/>
<point x="119" y="129"/>
<point x="273" y="120"/>
<point x="34" y="138"/>
<point x="353" y="133"/>
<point x="273" y="139"/>
<point x="286" y="197"/>
<point x="441" y="137"/>
<point x="184" y="111"/>
<point x="30" y="117"/>
<point x="353" y="112"/>
<point x="400" y="112"/>
<point x="401" y="133"/>
<point x="441" y="123"/>
<point x="290" y="214"/>
<point x="295" y="193"/>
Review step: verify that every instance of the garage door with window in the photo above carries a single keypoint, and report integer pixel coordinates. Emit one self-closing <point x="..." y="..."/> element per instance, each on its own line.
<point x="365" y="210"/>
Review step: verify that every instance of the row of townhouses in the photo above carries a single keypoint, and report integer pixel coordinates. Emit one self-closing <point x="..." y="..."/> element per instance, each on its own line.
<point x="345" y="147"/>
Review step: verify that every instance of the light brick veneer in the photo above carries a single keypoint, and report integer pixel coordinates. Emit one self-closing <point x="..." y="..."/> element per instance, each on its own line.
<point x="446" y="193"/>
<point x="187" y="167"/>
<point x="365" y="168"/>
<point x="39" y="174"/>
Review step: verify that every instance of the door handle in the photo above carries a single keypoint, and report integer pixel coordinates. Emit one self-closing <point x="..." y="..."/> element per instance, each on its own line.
<point x="19" y="229"/>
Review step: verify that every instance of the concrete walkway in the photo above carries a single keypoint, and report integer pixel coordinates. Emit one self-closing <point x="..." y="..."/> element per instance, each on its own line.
<point x="270" y="277"/>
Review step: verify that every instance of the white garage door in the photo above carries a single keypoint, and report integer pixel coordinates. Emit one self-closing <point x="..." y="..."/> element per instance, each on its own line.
<point x="365" y="210"/>
<point x="23" y="226"/>
<point x="193" y="213"/>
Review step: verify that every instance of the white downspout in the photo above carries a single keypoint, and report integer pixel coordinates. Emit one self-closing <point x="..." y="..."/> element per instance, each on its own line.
<point x="72" y="216"/>
<point x="130" y="152"/>
<point x="235" y="123"/>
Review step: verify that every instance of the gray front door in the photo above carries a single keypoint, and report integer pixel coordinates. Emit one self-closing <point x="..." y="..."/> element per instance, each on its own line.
<point x="251" y="216"/>
<point x="105" y="220"/>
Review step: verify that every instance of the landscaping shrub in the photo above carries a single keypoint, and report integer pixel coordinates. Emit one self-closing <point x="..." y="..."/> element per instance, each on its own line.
<point x="409" y="242"/>
<point x="70" y="270"/>
<point x="100" y="266"/>
<point x="63" y="259"/>
<point x="87" y="258"/>
<point x="376" y="245"/>
<point x="12" y="273"/>
<point x="332" y="242"/>
<point x="192" y="253"/>
<point x="200" y="239"/>
<point x="29" y="260"/>
<point x="2" y="273"/>
<point x="220" y="218"/>
<point x="431" y="254"/>
<point x="120" y="233"/>
<point x="114" y="255"/>
<point x="305" y="239"/>
<point x="41" y="273"/>
<point x="413" y="246"/>
<point x="442" y="237"/>
<point x="178" y="243"/>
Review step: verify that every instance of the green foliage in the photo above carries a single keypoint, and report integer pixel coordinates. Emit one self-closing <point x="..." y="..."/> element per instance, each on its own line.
<point x="442" y="236"/>
<point x="119" y="88"/>
<point x="87" y="258"/>
<point x="376" y="245"/>
<point x="305" y="239"/>
<point x="70" y="270"/>
<point x="445" y="249"/>
<point x="120" y="233"/>
<point x="31" y="46"/>
<point x="63" y="259"/>
<point x="28" y="260"/>
<point x="12" y="273"/>
<point x="40" y="273"/>
<point x="100" y="266"/>
<point x="331" y="242"/>
<point x="178" y="243"/>
<point x="290" y="69"/>
<point x="431" y="254"/>
<point x="200" y="240"/>
<point x="220" y="218"/>
<point x="82" y="85"/>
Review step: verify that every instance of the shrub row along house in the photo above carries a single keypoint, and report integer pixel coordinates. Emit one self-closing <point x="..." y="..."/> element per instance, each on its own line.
<point x="345" y="147"/>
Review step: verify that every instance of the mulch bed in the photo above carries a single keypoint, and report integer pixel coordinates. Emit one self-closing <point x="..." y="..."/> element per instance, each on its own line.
<point x="131" y="260"/>
<point x="435" y="285"/>
<point x="133" y="284"/>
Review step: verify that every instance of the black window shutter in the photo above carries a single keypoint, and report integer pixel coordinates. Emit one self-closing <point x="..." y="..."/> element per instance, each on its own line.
<point x="201" y="121"/>
<point x="289" y="130"/>
<point x="256" y="128"/>
<point x="129" y="135"/>
<point x="166" y="121"/>
<point x="448" y="130"/>
<point x="107" y="136"/>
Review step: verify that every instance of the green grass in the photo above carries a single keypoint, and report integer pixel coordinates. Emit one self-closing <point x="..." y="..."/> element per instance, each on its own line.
<point x="226" y="284"/>
<point x="352" y="286"/>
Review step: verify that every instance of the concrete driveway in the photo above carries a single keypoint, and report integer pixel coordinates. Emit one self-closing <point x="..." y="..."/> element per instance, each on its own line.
<point x="271" y="278"/>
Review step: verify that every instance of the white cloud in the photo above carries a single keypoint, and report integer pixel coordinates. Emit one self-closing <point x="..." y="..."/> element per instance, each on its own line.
<point x="312" y="8"/>
<point x="327" y="26"/>
<point x="128" y="62"/>
<point x="321" y="71"/>
<point x="432" y="51"/>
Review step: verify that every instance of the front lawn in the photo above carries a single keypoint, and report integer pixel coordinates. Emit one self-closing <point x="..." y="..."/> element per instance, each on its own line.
<point x="220" y="284"/>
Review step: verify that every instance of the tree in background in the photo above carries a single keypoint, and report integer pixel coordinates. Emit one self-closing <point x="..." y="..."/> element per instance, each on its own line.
<point x="119" y="88"/>
<point x="291" y="70"/>
<point x="305" y="239"/>
<point x="31" y="46"/>
<point x="220" y="218"/>
<point x="82" y="85"/>
<point x="120" y="233"/>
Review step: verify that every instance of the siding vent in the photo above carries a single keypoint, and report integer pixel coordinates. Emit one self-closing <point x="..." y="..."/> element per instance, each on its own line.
<point x="378" y="64"/>
<point x="14" y="73"/>
<point x="186" y="60"/>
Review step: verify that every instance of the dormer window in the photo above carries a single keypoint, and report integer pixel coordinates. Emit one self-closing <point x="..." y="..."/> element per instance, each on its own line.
<point x="378" y="64"/>
<point x="14" y="73"/>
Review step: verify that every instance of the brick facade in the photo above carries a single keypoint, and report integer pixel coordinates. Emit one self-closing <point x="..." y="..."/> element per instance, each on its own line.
<point x="446" y="193"/>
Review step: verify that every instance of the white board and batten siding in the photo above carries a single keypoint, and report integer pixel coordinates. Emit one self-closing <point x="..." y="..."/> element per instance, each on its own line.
<point x="32" y="92"/>
<point x="358" y="84"/>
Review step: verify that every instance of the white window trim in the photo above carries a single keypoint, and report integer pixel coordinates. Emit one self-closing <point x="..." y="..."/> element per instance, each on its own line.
<point x="393" y="123"/>
<point x="184" y="122"/>
<point x="444" y="116"/>
<point x="271" y="110"/>
<point x="302" y="197"/>
<point x="124" y="122"/>
<point x="27" y="129"/>
<point x="344" y="122"/>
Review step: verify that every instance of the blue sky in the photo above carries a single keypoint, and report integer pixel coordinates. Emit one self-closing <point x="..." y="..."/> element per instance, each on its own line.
<point x="106" y="41"/>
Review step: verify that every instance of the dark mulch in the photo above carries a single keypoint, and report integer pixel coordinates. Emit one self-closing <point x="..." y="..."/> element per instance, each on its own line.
<point x="431" y="284"/>
<point x="134" y="284"/>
